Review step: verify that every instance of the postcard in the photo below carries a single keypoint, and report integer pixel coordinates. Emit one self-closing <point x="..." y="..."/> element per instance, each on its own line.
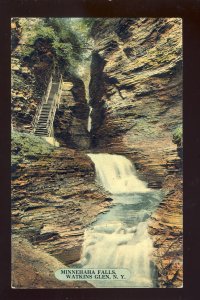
<point x="96" y="152"/>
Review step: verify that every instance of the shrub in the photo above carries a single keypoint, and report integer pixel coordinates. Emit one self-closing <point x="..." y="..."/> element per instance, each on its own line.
<point x="178" y="136"/>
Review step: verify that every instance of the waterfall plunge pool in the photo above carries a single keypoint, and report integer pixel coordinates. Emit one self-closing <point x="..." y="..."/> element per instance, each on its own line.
<point x="119" y="238"/>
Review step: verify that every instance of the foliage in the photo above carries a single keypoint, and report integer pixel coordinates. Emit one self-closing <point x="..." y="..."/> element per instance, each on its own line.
<point x="42" y="32"/>
<point x="67" y="37"/>
<point x="178" y="136"/>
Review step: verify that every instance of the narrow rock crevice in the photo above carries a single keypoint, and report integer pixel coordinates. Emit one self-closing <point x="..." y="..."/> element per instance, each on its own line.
<point x="96" y="91"/>
<point x="70" y="124"/>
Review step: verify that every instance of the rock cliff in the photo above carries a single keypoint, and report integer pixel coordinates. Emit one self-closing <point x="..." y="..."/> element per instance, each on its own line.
<point x="54" y="194"/>
<point x="70" y="124"/>
<point x="54" y="197"/>
<point x="31" y="67"/>
<point x="136" y="93"/>
<point x="137" y="66"/>
<point x="34" y="268"/>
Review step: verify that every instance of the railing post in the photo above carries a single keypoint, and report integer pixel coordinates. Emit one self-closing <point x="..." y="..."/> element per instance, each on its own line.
<point x="44" y="100"/>
<point x="54" y="106"/>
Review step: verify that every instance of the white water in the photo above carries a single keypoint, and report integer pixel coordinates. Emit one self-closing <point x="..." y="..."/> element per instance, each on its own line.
<point x="119" y="238"/>
<point x="117" y="174"/>
<point x="89" y="126"/>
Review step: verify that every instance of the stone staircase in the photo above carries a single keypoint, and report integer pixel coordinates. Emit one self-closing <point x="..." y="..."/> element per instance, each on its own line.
<point x="41" y="128"/>
<point x="43" y="123"/>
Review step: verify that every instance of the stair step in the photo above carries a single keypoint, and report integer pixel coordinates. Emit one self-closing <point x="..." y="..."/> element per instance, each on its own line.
<point x="41" y="128"/>
<point x="41" y="133"/>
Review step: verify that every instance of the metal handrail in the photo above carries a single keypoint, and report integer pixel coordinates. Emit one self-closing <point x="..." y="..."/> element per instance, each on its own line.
<point x="39" y="108"/>
<point x="51" y="115"/>
<point x="54" y="106"/>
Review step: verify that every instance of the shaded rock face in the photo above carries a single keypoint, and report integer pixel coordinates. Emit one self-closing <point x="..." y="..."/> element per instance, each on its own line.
<point x="70" y="124"/>
<point x="138" y="90"/>
<point x="165" y="228"/>
<point x="54" y="199"/>
<point x="96" y="90"/>
<point x="15" y="33"/>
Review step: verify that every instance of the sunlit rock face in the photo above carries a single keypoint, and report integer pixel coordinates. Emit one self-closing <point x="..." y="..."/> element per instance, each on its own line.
<point x="136" y="95"/>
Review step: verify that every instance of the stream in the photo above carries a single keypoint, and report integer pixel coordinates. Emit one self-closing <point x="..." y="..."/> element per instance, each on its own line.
<point x="119" y="237"/>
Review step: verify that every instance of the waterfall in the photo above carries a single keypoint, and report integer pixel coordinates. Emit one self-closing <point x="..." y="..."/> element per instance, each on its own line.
<point x="119" y="238"/>
<point x="89" y="119"/>
<point x="117" y="174"/>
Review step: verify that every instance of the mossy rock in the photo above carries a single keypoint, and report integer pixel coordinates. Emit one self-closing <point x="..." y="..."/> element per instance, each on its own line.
<point x="26" y="147"/>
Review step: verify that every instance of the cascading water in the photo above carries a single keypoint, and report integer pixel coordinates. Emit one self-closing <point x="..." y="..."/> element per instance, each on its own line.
<point x="89" y="126"/>
<point x="119" y="238"/>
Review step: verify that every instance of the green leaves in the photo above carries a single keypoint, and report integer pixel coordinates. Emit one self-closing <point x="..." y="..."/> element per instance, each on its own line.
<point x="178" y="136"/>
<point x="66" y="37"/>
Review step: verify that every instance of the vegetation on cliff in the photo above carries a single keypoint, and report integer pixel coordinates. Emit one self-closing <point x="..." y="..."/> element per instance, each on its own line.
<point x="66" y="40"/>
<point x="26" y="147"/>
<point x="178" y="136"/>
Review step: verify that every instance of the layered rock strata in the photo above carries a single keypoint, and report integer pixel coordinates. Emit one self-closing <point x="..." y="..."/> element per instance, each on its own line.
<point x="53" y="200"/>
<point x="137" y="66"/>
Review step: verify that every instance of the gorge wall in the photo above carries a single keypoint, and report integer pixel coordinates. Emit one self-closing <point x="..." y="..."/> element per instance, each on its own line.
<point x="32" y="66"/>
<point x="70" y="124"/>
<point x="54" y="198"/>
<point x="136" y="94"/>
<point x="30" y="72"/>
<point x="54" y="193"/>
<point x="136" y="98"/>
